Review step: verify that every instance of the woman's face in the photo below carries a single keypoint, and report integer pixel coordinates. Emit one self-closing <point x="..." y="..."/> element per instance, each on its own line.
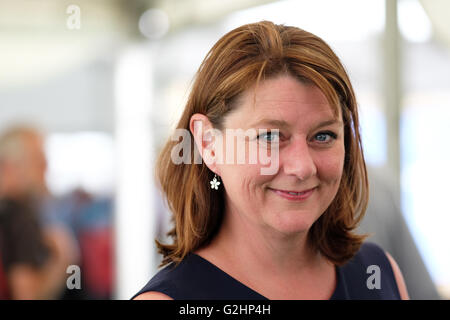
<point x="310" y="156"/>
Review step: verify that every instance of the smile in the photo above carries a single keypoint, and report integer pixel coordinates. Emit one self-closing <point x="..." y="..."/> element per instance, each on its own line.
<point x="295" y="196"/>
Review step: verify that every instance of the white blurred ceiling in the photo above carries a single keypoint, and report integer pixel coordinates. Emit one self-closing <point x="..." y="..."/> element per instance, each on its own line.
<point x="35" y="40"/>
<point x="35" y="43"/>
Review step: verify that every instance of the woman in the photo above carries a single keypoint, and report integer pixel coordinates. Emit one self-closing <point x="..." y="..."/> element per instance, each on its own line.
<point x="286" y="233"/>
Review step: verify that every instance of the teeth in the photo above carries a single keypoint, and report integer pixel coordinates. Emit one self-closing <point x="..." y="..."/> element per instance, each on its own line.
<point x="296" y="193"/>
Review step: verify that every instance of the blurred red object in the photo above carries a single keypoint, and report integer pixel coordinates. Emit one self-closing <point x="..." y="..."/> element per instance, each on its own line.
<point x="4" y="291"/>
<point x="97" y="261"/>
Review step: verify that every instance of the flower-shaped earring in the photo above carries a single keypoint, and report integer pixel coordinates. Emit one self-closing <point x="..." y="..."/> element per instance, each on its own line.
<point x="214" y="183"/>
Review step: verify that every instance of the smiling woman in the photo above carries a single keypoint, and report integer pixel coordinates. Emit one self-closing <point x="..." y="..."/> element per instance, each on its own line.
<point x="287" y="234"/>
<point x="309" y="170"/>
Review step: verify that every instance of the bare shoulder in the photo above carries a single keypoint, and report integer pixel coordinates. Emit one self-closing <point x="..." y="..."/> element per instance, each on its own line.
<point x="152" y="295"/>
<point x="398" y="277"/>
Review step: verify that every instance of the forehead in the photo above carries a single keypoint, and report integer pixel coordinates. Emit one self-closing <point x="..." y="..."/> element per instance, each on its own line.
<point x="286" y="88"/>
<point x="285" y="98"/>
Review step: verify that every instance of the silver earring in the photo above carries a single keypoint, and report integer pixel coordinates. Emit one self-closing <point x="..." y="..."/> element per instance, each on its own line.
<point x="215" y="183"/>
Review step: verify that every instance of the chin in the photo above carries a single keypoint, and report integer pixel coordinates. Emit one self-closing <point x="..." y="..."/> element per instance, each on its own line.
<point x="291" y="222"/>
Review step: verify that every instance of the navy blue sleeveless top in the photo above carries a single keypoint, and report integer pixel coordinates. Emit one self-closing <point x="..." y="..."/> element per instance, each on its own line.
<point x="198" y="279"/>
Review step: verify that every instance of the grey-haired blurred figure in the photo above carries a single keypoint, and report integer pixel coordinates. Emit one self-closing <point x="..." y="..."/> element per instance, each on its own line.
<point x="34" y="256"/>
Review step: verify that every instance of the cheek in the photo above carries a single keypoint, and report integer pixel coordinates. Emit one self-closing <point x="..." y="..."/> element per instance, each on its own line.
<point x="242" y="179"/>
<point x="330" y="166"/>
<point x="244" y="184"/>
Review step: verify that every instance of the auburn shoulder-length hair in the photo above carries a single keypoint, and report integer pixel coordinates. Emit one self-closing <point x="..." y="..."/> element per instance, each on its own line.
<point x="234" y="64"/>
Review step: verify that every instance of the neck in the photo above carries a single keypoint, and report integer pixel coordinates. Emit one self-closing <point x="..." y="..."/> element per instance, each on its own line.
<point x="264" y="248"/>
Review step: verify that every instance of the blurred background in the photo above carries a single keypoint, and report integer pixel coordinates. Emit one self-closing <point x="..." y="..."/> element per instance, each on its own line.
<point x="103" y="82"/>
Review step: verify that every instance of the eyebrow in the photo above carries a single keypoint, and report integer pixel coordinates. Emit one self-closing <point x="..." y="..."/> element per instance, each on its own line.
<point x="284" y="124"/>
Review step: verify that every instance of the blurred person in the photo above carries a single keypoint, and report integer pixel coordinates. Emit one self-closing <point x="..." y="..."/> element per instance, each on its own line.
<point x="89" y="219"/>
<point x="34" y="257"/>
<point x="92" y="222"/>
<point x="287" y="234"/>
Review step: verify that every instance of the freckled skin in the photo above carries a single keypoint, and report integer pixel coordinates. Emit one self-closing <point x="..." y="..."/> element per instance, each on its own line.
<point x="304" y="162"/>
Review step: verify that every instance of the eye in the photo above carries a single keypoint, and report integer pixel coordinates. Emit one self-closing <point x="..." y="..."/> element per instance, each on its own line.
<point x="271" y="136"/>
<point x="325" y="137"/>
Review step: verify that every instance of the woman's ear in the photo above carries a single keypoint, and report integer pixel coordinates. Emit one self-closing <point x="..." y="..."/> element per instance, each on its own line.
<point x="205" y="138"/>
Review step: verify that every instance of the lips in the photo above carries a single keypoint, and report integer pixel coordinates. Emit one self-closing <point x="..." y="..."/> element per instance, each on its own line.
<point x="293" y="194"/>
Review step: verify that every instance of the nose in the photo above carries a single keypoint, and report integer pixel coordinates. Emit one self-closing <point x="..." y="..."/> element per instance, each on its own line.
<point x="298" y="160"/>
